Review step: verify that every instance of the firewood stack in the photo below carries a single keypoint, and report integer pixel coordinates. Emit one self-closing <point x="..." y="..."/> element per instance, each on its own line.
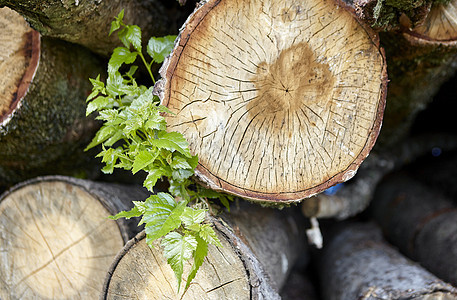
<point x="319" y="103"/>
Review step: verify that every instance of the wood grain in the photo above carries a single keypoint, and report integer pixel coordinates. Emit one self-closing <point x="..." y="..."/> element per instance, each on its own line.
<point x="440" y="24"/>
<point x="17" y="60"/>
<point x="56" y="241"/>
<point x="279" y="99"/>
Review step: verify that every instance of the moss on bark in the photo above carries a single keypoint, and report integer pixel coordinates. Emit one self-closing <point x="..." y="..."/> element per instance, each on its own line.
<point x="49" y="130"/>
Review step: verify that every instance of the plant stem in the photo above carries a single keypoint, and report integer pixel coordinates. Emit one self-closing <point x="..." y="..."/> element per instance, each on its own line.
<point x="146" y="65"/>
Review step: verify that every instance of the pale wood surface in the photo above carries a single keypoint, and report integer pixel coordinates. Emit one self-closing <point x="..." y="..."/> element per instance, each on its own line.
<point x="55" y="242"/>
<point x="15" y="56"/>
<point x="222" y="275"/>
<point x="260" y="246"/>
<point x="280" y="99"/>
<point x="440" y="24"/>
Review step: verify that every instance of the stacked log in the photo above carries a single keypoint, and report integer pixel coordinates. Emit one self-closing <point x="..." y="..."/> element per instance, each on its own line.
<point x="358" y="264"/>
<point x="278" y="108"/>
<point x="43" y="127"/>
<point x="427" y="232"/>
<point x="259" y="249"/>
<point x="87" y="22"/>
<point x="56" y="240"/>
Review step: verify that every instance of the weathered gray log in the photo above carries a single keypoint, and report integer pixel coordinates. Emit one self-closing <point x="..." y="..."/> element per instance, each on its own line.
<point x="358" y="264"/>
<point x="56" y="240"/>
<point x="43" y="126"/>
<point x="298" y="287"/>
<point x="260" y="246"/>
<point x="87" y="22"/>
<point x="421" y="222"/>
<point x="354" y="196"/>
<point x="438" y="173"/>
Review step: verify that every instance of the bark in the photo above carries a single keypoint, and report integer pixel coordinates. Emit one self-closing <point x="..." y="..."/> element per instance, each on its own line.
<point x="260" y="246"/>
<point x="416" y="72"/>
<point x="87" y="22"/>
<point x="278" y="108"/>
<point x="355" y="196"/>
<point x="56" y="239"/>
<point x="43" y="127"/>
<point x="427" y="232"/>
<point x="438" y="173"/>
<point x="358" y="264"/>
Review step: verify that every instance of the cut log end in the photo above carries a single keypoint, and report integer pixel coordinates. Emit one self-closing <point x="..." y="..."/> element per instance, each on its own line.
<point x="279" y="99"/>
<point x="55" y="239"/>
<point x="440" y="26"/>
<point x="221" y="276"/>
<point x="19" y="55"/>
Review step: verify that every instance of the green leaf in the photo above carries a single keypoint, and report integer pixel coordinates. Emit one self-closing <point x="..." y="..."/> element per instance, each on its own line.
<point x="159" y="48"/>
<point x="143" y="159"/>
<point x="144" y="98"/>
<point x="182" y="174"/>
<point x="177" y="249"/>
<point x="133" y="35"/>
<point x="152" y="178"/>
<point x="180" y="163"/>
<point x="120" y="56"/>
<point x="161" y="216"/>
<point x="172" y="141"/>
<point x="199" y="256"/>
<point x="156" y="122"/>
<point x="97" y="83"/>
<point x="98" y="103"/>
<point x="207" y="233"/>
<point x="134" y="212"/>
<point x="193" y="216"/>
<point x="102" y="135"/>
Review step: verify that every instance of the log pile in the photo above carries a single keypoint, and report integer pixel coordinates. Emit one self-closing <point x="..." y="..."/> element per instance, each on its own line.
<point x="254" y="263"/>
<point x="280" y="100"/>
<point x="56" y="240"/>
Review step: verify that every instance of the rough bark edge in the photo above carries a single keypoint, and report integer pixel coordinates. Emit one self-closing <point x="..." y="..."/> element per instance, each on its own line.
<point x="87" y="186"/>
<point x="34" y="46"/>
<point x="163" y="86"/>
<point x="260" y="285"/>
<point x="421" y="40"/>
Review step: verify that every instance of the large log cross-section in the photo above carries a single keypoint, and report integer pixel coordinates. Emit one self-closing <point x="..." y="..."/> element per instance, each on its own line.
<point x="279" y="99"/>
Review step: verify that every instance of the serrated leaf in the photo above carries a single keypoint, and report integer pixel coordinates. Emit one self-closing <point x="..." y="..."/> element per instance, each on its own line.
<point x="156" y="122"/>
<point x="159" y="48"/>
<point x="97" y="84"/>
<point x="180" y="163"/>
<point x="115" y="25"/>
<point x="193" y="216"/>
<point x="134" y="212"/>
<point x="182" y="174"/>
<point x="199" y="256"/>
<point x="161" y="216"/>
<point x="114" y="138"/>
<point x="102" y="135"/>
<point x="133" y="35"/>
<point x="207" y="233"/>
<point x="96" y="104"/>
<point x="144" y="98"/>
<point x="152" y="178"/>
<point x="121" y="55"/>
<point x="177" y="249"/>
<point x="143" y="159"/>
<point x="172" y="141"/>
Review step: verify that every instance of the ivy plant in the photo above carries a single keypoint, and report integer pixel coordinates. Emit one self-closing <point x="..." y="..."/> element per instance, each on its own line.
<point x="134" y="137"/>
